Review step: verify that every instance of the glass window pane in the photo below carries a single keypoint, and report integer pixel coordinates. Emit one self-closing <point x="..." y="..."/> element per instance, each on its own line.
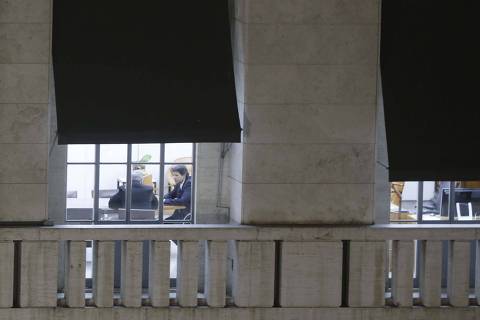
<point x="467" y="200"/>
<point x="178" y="152"/>
<point x="80" y="188"/>
<point x="145" y="188"/>
<point x="177" y="194"/>
<point x="81" y="153"/>
<point x="146" y="153"/>
<point x="432" y="201"/>
<point x="112" y="192"/>
<point x="113" y="153"/>
<point x="403" y="200"/>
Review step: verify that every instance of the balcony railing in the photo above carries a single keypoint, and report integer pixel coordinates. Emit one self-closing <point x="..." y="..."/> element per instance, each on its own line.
<point x="274" y="271"/>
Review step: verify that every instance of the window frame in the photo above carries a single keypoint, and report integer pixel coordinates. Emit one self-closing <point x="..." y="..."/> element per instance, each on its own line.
<point x="451" y="208"/>
<point x="128" y="164"/>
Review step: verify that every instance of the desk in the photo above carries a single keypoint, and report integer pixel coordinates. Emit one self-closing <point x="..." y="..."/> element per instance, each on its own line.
<point x="168" y="209"/>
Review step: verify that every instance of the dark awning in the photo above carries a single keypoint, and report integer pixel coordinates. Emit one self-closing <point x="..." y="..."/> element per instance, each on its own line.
<point x="147" y="71"/>
<point x="430" y="78"/>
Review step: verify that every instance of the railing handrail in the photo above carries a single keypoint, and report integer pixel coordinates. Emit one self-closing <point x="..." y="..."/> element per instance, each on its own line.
<point x="244" y="232"/>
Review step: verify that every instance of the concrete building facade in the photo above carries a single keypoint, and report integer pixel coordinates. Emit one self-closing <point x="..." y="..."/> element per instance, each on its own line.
<point x="307" y="81"/>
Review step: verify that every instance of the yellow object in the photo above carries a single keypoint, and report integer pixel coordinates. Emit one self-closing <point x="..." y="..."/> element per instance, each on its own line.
<point x="396" y="189"/>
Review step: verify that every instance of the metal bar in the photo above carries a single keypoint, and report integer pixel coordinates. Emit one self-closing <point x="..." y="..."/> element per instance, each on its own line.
<point x="194" y="179"/>
<point x="451" y="202"/>
<point x="420" y="201"/>
<point x="96" y="200"/>
<point x="128" y="199"/>
<point x="161" y="183"/>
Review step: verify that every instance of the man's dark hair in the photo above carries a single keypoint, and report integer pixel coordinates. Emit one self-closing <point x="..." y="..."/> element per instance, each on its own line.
<point x="180" y="168"/>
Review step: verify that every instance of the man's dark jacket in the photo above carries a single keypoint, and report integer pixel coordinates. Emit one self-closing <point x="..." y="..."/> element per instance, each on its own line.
<point x="142" y="198"/>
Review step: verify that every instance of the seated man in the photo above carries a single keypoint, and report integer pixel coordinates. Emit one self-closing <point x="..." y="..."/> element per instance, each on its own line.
<point x="142" y="195"/>
<point x="181" y="193"/>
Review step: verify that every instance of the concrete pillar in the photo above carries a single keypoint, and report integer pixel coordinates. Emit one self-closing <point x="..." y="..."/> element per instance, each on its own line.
<point x="131" y="273"/>
<point x="103" y="268"/>
<point x="187" y="273"/>
<point x="311" y="274"/>
<point x="402" y="273"/>
<point x="75" y="274"/>
<point x="24" y="62"/>
<point x="367" y="274"/>
<point x="38" y="273"/>
<point x="159" y="273"/>
<point x="6" y="274"/>
<point x="253" y="273"/>
<point x="458" y="273"/>
<point x="430" y="272"/>
<point x="306" y="78"/>
<point x="216" y="273"/>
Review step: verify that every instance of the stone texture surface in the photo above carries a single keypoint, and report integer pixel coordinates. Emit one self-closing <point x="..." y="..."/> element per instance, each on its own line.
<point x="215" y="273"/>
<point x="430" y="274"/>
<point x="212" y="194"/>
<point x="308" y="163"/>
<point x="253" y="273"/>
<point x="299" y="203"/>
<point x="25" y="27"/>
<point x="23" y="163"/>
<point x="24" y="43"/>
<point x="187" y="273"/>
<point x="75" y="274"/>
<point x="147" y="313"/>
<point x="310" y="274"/>
<point x="131" y="273"/>
<point x="325" y="84"/>
<point x="24" y="83"/>
<point x="307" y="11"/>
<point x="402" y="273"/>
<point x="6" y="274"/>
<point x="38" y="273"/>
<point x="23" y="202"/>
<point x="458" y="273"/>
<point x="367" y="274"/>
<point x="25" y="11"/>
<point x="23" y="123"/>
<point x="102" y="274"/>
<point x="310" y="123"/>
<point x="309" y="44"/>
<point x="307" y="77"/>
<point x="159" y="273"/>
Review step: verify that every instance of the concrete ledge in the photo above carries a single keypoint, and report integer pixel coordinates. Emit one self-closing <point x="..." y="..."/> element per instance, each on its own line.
<point x="244" y="232"/>
<point x="147" y="313"/>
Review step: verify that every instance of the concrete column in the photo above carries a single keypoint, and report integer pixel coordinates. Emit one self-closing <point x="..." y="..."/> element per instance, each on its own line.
<point x="131" y="273"/>
<point x="253" y="273"/>
<point x="24" y="59"/>
<point x="311" y="274"/>
<point x="367" y="274"/>
<point x="402" y="273"/>
<point x="75" y="274"/>
<point x="458" y="273"/>
<point x="187" y="273"/>
<point x="103" y="268"/>
<point x="6" y="274"/>
<point x="306" y="78"/>
<point x="159" y="273"/>
<point x="216" y="273"/>
<point x="38" y="273"/>
<point x="430" y="272"/>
